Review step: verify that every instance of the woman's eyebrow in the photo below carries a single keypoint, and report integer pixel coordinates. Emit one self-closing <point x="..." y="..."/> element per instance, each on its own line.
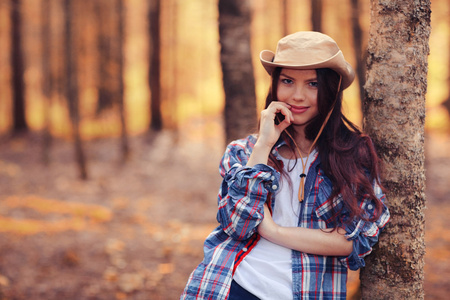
<point x="292" y="78"/>
<point x="282" y="74"/>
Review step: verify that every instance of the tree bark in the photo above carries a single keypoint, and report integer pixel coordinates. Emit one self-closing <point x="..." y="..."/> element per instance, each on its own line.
<point x="154" y="18"/>
<point x="237" y="68"/>
<point x="72" y="88"/>
<point x="394" y="116"/>
<point x="17" y="64"/>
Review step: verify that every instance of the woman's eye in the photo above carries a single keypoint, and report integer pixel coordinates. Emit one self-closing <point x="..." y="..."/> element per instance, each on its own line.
<point x="286" y="81"/>
<point x="313" y="84"/>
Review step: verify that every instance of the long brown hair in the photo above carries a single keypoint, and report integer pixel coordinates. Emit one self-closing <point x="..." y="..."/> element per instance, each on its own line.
<point x="347" y="156"/>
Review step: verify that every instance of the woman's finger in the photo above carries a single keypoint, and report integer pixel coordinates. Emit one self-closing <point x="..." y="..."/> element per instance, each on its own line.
<point x="283" y="125"/>
<point x="280" y="107"/>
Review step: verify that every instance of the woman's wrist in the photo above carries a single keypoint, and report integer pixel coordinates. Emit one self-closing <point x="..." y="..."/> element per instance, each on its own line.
<point x="260" y="154"/>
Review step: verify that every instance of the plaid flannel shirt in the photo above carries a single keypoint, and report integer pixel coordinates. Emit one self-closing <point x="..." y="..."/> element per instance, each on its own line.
<point x="241" y="198"/>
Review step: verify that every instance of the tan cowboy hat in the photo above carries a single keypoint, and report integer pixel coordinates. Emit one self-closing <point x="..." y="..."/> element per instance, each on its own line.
<point x="308" y="50"/>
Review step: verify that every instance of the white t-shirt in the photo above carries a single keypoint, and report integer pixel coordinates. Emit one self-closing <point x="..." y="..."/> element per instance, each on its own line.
<point x="266" y="271"/>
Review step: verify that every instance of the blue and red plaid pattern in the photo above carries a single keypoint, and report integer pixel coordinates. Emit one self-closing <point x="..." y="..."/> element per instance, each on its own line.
<point x="243" y="192"/>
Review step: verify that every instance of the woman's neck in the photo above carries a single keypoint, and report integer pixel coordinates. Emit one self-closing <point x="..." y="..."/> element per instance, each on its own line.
<point x="302" y="142"/>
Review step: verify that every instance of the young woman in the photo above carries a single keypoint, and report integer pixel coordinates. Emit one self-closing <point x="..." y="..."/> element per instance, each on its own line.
<point x="300" y="202"/>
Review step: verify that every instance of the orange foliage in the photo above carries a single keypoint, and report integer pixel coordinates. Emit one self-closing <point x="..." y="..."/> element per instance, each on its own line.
<point x="94" y="212"/>
<point x="75" y="216"/>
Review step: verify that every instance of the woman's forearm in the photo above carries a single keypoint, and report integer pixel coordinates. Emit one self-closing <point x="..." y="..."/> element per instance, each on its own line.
<point x="260" y="155"/>
<point x="313" y="241"/>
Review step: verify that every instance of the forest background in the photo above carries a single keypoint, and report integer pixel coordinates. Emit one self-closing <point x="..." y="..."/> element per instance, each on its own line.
<point x="134" y="227"/>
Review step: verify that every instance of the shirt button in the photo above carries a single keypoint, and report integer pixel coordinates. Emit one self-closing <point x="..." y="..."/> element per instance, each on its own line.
<point x="274" y="151"/>
<point x="272" y="178"/>
<point x="274" y="187"/>
<point x="370" y="206"/>
<point x="244" y="249"/>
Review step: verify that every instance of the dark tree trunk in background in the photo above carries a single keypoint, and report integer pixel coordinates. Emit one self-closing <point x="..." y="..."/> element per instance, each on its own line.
<point x="358" y="46"/>
<point x="316" y="15"/>
<point x="237" y="68"/>
<point x="46" y="78"/>
<point x="285" y="17"/>
<point x="154" y="16"/>
<point x="17" y="65"/>
<point x="172" y="67"/>
<point x="72" y="87"/>
<point x="394" y="116"/>
<point x="446" y="103"/>
<point x="120" y="51"/>
<point x="105" y="80"/>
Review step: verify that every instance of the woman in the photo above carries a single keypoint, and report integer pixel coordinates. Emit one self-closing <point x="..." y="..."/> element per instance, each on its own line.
<point x="300" y="202"/>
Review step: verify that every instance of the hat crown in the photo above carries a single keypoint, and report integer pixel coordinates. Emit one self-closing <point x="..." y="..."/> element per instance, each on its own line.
<point x="308" y="50"/>
<point x="305" y="48"/>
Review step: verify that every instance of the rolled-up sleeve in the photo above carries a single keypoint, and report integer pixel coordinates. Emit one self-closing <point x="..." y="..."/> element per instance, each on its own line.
<point x="244" y="191"/>
<point x="364" y="234"/>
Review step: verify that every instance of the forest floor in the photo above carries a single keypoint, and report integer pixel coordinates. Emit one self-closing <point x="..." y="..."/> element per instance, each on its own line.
<point x="135" y="230"/>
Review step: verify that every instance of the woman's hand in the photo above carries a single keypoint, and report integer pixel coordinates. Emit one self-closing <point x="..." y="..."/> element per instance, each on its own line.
<point x="269" y="132"/>
<point x="267" y="227"/>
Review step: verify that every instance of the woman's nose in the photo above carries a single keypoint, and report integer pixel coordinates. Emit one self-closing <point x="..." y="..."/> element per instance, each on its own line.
<point x="298" y="93"/>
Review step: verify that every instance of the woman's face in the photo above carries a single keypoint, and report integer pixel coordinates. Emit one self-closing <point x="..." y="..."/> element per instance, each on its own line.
<point x="298" y="88"/>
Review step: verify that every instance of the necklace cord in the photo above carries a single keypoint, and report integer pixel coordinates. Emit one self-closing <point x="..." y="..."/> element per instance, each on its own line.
<point x="301" y="190"/>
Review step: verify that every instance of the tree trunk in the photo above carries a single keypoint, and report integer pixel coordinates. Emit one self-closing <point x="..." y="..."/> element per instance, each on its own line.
<point x="237" y="68"/>
<point x="105" y="80"/>
<point x="285" y="17"/>
<point x="170" y="64"/>
<point x="17" y="64"/>
<point x="46" y="79"/>
<point x="357" y="45"/>
<point x="154" y="17"/>
<point x="120" y="51"/>
<point x="394" y="116"/>
<point x="316" y="15"/>
<point x="72" y="87"/>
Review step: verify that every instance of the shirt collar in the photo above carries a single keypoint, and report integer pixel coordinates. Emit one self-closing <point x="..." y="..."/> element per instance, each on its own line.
<point x="279" y="144"/>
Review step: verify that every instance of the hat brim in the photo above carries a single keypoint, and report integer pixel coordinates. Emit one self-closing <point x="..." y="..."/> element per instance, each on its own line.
<point x="335" y="63"/>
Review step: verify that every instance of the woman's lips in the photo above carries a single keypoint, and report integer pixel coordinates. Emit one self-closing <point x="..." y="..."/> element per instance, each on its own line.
<point x="298" y="109"/>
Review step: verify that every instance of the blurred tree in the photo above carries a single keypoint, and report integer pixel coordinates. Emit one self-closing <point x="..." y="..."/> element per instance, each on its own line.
<point x="121" y="42"/>
<point x="285" y="17"/>
<point x="316" y="15"/>
<point x="46" y="77"/>
<point x="358" y="46"/>
<point x="154" y="17"/>
<point x="170" y="90"/>
<point x="72" y="87"/>
<point x="17" y="64"/>
<point x="105" y="59"/>
<point x="394" y="116"/>
<point x="446" y="103"/>
<point x="237" y="68"/>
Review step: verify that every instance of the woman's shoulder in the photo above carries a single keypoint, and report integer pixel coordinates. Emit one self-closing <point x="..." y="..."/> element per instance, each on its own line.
<point x="246" y="143"/>
<point x="237" y="151"/>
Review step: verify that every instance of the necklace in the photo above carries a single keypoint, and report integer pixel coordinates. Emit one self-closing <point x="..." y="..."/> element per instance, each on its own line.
<point x="301" y="190"/>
